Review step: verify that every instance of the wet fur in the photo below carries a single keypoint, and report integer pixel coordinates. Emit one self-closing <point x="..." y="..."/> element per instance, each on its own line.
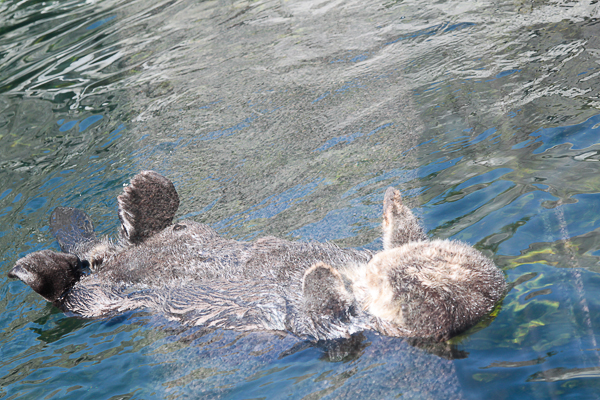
<point x="186" y="271"/>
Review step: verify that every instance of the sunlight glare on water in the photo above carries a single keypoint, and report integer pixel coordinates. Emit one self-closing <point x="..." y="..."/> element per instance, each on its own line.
<point x="291" y="119"/>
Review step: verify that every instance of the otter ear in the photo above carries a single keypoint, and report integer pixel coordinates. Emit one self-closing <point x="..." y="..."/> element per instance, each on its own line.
<point x="147" y="206"/>
<point x="72" y="228"/>
<point x="400" y="225"/>
<point x="49" y="273"/>
<point x="324" y="292"/>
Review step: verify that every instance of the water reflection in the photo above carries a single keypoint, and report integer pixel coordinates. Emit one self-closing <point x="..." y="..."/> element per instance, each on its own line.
<point x="291" y="119"/>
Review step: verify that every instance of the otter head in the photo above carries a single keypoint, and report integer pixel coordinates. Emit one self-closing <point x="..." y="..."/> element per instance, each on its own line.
<point x="428" y="288"/>
<point x="327" y="302"/>
<point x="49" y="273"/>
<point x="434" y="289"/>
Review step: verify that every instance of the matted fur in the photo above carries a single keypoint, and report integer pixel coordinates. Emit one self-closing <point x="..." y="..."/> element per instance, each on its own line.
<point x="187" y="272"/>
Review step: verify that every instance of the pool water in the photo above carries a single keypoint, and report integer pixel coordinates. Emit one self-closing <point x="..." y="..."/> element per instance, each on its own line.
<point x="291" y="119"/>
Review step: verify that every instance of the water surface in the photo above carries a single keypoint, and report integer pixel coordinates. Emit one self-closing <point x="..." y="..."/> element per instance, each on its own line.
<point x="291" y="119"/>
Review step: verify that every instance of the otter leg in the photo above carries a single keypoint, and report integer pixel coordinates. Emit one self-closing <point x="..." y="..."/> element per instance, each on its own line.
<point x="49" y="273"/>
<point x="407" y="289"/>
<point x="400" y="225"/>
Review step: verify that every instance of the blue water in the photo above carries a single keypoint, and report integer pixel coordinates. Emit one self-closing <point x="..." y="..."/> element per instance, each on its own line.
<point x="291" y="119"/>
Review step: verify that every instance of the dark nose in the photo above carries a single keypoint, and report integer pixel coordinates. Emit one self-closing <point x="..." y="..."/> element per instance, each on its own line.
<point x="178" y="227"/>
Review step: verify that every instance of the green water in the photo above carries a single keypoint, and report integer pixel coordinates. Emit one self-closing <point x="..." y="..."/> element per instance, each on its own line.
<point x="291" y="119"/>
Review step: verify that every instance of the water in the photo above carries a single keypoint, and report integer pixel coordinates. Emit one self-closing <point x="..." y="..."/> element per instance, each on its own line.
<point x="291" y="119"/>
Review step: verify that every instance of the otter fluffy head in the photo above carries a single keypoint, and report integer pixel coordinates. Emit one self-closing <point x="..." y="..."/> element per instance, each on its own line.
<point x="433" y="288"/>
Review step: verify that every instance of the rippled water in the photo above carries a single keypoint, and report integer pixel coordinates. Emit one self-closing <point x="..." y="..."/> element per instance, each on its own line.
<point x="291" y="119"/>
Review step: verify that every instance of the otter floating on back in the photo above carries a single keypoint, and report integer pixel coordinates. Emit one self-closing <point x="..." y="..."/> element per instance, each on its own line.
<point x="415" y="287"/>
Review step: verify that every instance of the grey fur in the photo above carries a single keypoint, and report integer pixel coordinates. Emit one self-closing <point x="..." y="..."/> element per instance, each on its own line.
<point x="414" y="288"/>
<point x="400" y="225"/>
<point x="147" y="206"/>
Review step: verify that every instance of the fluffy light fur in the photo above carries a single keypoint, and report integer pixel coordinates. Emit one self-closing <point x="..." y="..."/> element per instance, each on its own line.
<point x="415" y="287"/>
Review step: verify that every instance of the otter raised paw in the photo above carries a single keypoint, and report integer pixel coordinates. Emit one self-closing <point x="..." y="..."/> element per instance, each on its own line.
<point x="415" y="287"/>
<point x="399" y="223"/>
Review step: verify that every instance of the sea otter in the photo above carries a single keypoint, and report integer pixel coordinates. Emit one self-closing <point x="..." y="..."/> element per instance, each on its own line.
<point x="415" y="287"/>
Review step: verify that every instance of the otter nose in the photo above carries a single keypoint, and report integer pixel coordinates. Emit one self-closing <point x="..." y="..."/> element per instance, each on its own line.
<point x="179" y="227"/>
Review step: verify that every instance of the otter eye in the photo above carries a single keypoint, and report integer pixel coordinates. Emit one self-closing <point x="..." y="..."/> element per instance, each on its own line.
<point x="178" y="227"/>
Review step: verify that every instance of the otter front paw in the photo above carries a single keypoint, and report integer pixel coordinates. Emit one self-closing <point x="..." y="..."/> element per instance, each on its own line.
<point x="400" y="225"/>
<point x="324" y="292"/>
<point x="49" y="273"/>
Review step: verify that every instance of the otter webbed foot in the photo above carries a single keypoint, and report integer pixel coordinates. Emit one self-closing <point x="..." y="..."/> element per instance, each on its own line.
<point x="72" y="228"/>
<point x="400" y="225"/>
<point x="49" y="273"/>
<point x="147" y="206"/>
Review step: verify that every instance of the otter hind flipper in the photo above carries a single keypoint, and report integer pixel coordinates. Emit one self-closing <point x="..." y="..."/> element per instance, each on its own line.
<point x="147" y="206"/>
<point x="72" y="228"/>
<point x="49" y="273"/>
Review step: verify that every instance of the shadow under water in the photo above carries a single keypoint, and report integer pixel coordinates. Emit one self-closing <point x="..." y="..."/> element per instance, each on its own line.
<point x="291" y="119"/>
